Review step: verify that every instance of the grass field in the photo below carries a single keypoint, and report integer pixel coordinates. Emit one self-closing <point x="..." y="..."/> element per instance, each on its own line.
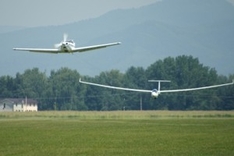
<point x="117" y="133"/>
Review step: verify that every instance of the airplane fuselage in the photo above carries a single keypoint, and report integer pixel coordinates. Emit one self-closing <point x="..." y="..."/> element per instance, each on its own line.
<point x="155" y="93"/>
<point x="67" y="46"/>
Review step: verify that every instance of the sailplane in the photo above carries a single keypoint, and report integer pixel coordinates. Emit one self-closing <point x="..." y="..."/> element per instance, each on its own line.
<point x="156" y="92"/>
<point x="67" y="46"/>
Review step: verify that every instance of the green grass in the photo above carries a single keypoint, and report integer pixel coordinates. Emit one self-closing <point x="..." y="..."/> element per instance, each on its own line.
<point x="117" y="133"/>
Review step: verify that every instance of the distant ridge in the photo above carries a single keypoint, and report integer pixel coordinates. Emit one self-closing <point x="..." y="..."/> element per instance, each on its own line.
<point x="7" y="28"/>
<point x="200" y="28"/>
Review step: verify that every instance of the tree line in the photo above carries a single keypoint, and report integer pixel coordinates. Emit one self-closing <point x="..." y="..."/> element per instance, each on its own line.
<point x="61" y="90"/>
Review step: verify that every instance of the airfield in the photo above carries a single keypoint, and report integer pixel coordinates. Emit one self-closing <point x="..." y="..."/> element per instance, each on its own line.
<point x="117" y="133"/>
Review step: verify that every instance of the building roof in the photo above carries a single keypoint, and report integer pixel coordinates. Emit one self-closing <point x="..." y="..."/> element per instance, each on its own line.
<point x="19" y="100"/>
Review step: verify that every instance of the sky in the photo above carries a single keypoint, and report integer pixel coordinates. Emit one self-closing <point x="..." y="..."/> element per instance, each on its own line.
<point x="34" y="13"/>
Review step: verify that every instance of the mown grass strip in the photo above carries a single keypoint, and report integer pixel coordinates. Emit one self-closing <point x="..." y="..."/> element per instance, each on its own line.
<point x="118" y="114"/>
<point x="117" y="133"/>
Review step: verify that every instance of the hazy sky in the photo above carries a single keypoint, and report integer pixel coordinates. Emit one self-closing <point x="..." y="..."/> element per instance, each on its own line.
<point x="32" y="13"/>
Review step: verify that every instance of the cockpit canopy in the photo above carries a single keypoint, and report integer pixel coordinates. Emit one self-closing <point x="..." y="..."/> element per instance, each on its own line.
<point x="70" y="41"/>
<point x="155" y="90"/>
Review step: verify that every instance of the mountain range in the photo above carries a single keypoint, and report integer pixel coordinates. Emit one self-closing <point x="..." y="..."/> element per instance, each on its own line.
<point x="201" y="28"/>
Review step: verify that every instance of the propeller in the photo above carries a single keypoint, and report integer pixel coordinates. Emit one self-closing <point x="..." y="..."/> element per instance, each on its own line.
<point x="64" y="40"/>
<point x="65" y="37"/>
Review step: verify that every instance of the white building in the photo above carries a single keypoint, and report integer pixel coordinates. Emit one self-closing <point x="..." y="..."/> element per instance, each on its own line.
<point x="18" y="104"/>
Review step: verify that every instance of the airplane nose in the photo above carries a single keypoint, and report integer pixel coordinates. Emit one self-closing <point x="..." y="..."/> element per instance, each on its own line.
<point x="154" y="93"/>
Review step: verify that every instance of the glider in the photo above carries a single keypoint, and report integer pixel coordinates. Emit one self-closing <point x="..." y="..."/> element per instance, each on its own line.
<point x="67" y="46"/>
<point x="155" y="92"/>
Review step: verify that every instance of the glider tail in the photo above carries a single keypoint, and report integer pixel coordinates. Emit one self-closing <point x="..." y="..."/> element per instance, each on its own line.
<point x="159" y="82"/>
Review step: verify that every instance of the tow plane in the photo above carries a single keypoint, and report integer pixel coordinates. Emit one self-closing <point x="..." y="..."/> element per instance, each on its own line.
<point x="67" y="46"/>
<point x="156" y="92"/>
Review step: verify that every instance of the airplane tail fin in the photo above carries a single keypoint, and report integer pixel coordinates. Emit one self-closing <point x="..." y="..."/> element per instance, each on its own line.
<point x="159" y="82"/>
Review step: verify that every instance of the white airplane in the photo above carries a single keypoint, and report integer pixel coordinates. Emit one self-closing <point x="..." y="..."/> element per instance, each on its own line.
<point x="67" y="46"/>
<point x="155" y="92"/>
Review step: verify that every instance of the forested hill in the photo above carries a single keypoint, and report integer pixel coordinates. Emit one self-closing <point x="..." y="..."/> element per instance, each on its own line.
<point x="61" y="90"/>
<point x="201" y="28"/>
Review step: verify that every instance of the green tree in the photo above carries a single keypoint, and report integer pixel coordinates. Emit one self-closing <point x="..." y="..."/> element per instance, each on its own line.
<point x="7" y="87"/>
<point x="62" y="90"/>
<point x="185" y="72"/>
<point x="135" y="77"/>
<point x="103" y="98"/>
<point x="66" y="90"/>
<point x="32" y="84"/>
<point x="226" y="94"/>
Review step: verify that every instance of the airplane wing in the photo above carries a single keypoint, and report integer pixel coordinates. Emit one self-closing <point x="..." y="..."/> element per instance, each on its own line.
<point x="84" y="49"/>
<point x="199" y="88"/>
<point x="54" y="51"/>
<point x="112" y="87"/>
<point x="79" y="49"/>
